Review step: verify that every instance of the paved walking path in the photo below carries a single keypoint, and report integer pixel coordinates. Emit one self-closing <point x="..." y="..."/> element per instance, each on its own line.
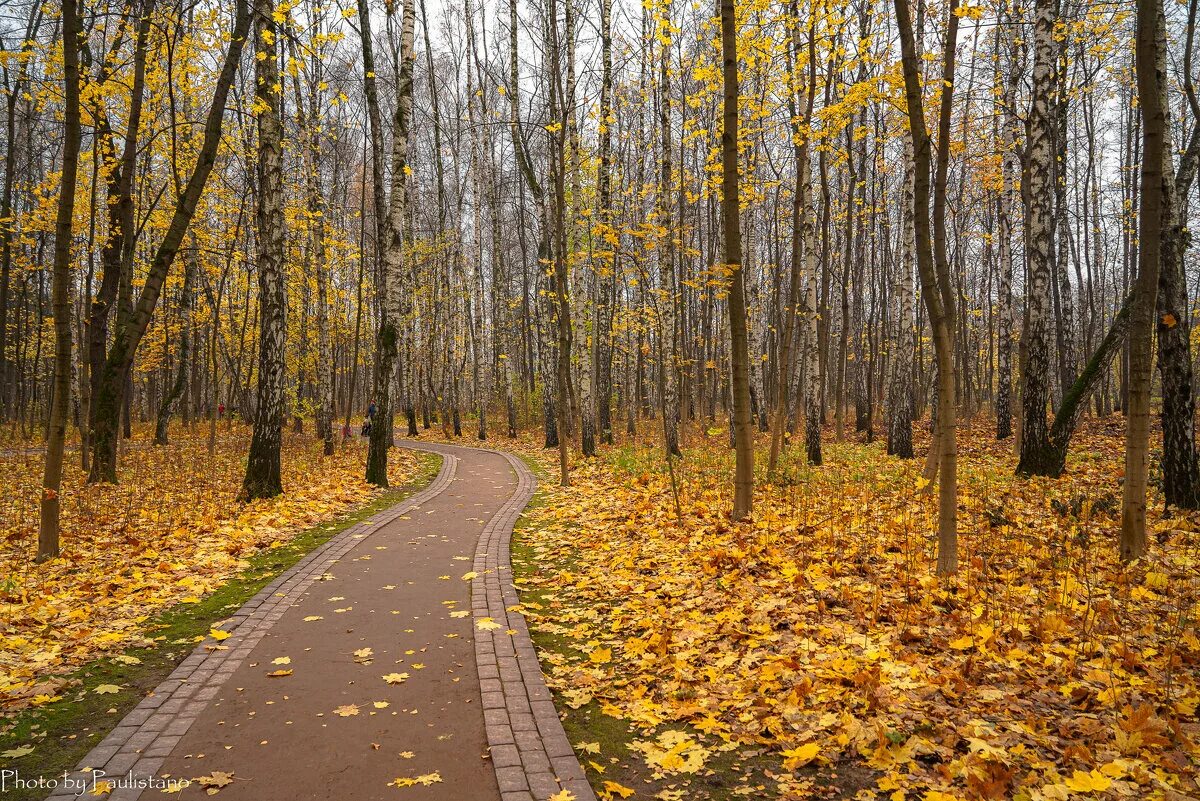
<point x="363" y="671"/>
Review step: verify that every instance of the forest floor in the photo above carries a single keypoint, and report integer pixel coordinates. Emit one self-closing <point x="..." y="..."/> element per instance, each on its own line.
<point x="813" y="653"/>
<point x="808" y="653"/>
<point x="148" y="564"/>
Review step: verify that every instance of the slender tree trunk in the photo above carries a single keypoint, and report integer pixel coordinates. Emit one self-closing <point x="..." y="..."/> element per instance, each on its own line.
<point x="562" y="305"/>
<point x="263" y="475"/>
<point x="48" y="531"/>
<point x="668" y="342"/>
<point x="900" y="405"/>
<point x="743" y="433"/>
<point x="602" y="332"/>
<point x="1004" y="334"/>
<point x="176" y="390"/>
<point x="1036" y="453"/>
<point x="1150" y="71"/>
<point x="936" y="289"/>
<point x="1181" y="467"/>
<point x="799" y="212"/>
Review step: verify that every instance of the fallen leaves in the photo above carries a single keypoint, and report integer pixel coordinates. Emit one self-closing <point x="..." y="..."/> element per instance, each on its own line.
<point x="346" y="710"/>
<point x="396" y="678"/>
<point x="213" y="782"/>
<point x="106" y="689"/>
<point x="425" y="780"/>
<point x="167" y="533"/>
<point x="1091" y="782"/>
<point x="800" y="756"/>
<point x="615" y="790"/>
<point x="672" y="752"/>
<point x="1044" y="670"/>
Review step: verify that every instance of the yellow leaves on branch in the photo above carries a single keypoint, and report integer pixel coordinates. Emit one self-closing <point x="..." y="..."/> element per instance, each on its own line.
<point x="169" y="533"/>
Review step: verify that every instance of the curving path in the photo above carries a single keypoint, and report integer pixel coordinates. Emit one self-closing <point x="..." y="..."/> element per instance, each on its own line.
<point x="384" y="684"/>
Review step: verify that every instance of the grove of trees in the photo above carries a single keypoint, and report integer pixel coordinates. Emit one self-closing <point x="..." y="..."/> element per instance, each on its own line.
<point x="807" y="220"/>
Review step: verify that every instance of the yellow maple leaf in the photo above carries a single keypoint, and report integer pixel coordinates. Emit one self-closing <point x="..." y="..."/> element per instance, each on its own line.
<point x="612" y="789"/>
<point x="424" y="779"/>
<point x="1092" y="782"/>
<point x="800" y="756"/>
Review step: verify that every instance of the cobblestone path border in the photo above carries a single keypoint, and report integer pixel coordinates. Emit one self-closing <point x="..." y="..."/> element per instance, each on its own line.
<point x="144" y="738"/>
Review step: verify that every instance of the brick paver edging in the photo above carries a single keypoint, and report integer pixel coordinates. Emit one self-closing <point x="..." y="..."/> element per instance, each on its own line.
<point x="530" y="751"/>
<point x="144" y="738"/>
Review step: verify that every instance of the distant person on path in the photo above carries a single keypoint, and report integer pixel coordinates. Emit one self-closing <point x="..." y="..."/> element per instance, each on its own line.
<point x="366" y="427"/>
<point x="371" y="409"/>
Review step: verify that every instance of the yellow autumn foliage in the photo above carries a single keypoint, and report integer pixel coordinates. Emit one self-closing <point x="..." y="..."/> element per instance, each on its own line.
<point x="170" y="532"/>
<point x="820" y="629"/>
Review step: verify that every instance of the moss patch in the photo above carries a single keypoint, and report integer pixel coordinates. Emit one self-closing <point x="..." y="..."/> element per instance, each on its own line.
<point x="62" y="732"/>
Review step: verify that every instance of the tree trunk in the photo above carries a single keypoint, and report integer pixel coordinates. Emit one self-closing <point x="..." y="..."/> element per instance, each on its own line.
<point x="1150" y="71"/>
<point x="48" y="530"/>
<point x="668" y="341"/>
<point x="900" y="405"/>
<point x="743" y="434"/>
<point x="801" y="210"/>
<point x="1181" y="468"/>
<point x="936" y="289"/>
<point x="1036" y="453"/>
<point x="263" y="478"/>
<point x="1004" y="334"/>
<point x="562" y="306"/>
<point x="167" y="407"/>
